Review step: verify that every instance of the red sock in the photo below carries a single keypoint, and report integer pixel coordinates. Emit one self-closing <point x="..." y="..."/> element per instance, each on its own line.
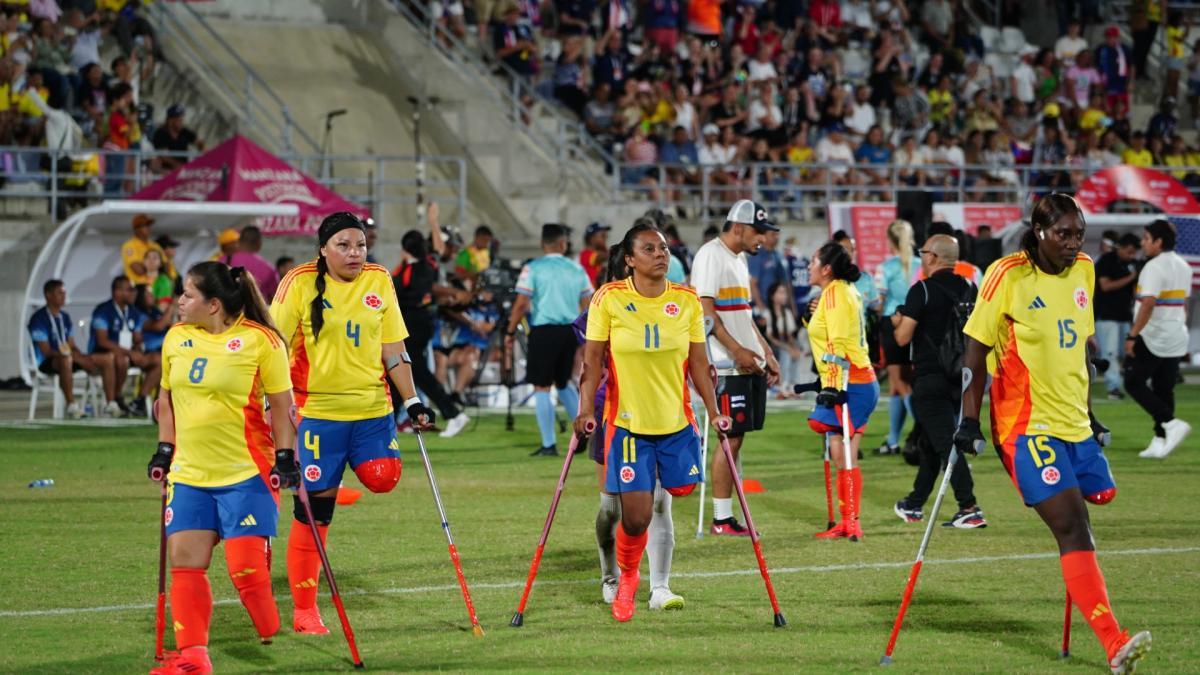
<point x="1086" y="585"/>
<point x="303" y="564"/>
<point x="247" y="561"/>
<point x="629" y="549"/>
<point x="845" y="493"/>
<point x="856" y="492"/>
<point x="191" y="606"/>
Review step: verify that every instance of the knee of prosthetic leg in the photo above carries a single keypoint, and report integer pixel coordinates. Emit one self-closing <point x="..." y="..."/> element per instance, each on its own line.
<point x="1102" y="497"/>
<point x="379" y="475"/>
<point x="681" y="491"/>
<point x="322" y="509"/>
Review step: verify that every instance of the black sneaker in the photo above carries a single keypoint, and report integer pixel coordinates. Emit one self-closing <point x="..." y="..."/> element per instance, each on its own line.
<point x="138" y="408"/>
<point x="886" y="449"/>
<point x="125" y="412"/>
<point x="1116" y="395"/>
<point x="908" y="515"/>
<point x="967" y="519"/>
<point x="548" y="451"/>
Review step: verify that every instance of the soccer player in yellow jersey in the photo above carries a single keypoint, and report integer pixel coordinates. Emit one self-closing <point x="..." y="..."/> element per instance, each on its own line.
<point x="1029" y="328"/>
<point x="219" y="454"/>
<point x="653" y="333"/>
<point x="345" y="333"/>
<point x="836" y="328"/>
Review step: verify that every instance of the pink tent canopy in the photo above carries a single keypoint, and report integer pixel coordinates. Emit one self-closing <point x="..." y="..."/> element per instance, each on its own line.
<point x="238" y="170"/>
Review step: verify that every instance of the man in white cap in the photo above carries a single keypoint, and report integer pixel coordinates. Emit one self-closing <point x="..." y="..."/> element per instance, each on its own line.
<point x="722" y="280"/>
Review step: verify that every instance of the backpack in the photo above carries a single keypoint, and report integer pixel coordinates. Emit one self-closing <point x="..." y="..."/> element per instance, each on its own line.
<point x="953" y="346"/>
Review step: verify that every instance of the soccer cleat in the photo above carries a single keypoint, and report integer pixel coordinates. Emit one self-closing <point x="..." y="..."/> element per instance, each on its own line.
<point x="1176" y="430"/>
<point x="663" y="598"/>
<point x="190" y="661"/>
<point x="626" y="601"/>
<point x="1116" y="395"/>
<point x="854" y="530"/>
<point x="74" y="411"/>
<point x="608" y="589"/>
<point x="886" y="449"/>
<point x="308" y="621"/>
<point x="728" y="527"/>
<point x="112" y="409"/>
<point x="548" y="451"/>
<point x="836" y="532"/>
<point x="967" y="519"/>
<point x="138" y="408"/>
<point x="1126" y="658"/>
<point x="455" y="425"/>
<point x="1154" y="450"/>
<point x="907" y="514"/>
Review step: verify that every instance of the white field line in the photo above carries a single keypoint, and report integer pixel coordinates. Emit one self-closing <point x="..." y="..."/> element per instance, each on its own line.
<point x="61" y="611"/>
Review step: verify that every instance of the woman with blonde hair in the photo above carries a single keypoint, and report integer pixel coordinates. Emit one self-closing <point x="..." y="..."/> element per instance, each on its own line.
<point x="896" y="275"/>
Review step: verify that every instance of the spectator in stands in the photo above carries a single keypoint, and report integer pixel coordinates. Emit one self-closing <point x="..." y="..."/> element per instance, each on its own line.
<point x="123" y="134"/>
<point x="133" y="251"/>
<point x="1144" y="19"/>
<point x="1137" y="154"/>
<point x="575" y="16"/>
<point x="570" y="76"/>
<point x="1164" y="122"/>
<point x="1116" y="277"/>
<point x="1193" y="83"/>
<point x="475" y="258"/>
<point x="862" y="114"/>
<point x="730" y="112"/>
<point x="92" y="95"/>
<point x="284" y="264"/>
<point x="1071" y="44"/>
<point x="680" y="150"/>
<point x="1114" y="60"/>
<point x="117" y="329"/>
<point x="161" y="288"/>
<point x="640" y="156"/>
<point x="513" y="41"/>
<point x="50" y="329"/>
<point x="247" y="255"/>
<point x="84" y="33"/>
<point x="1024" y="77"/>
<point x="1080" y="78"/>
<point x="173" y="136"/>
<point x="132" y="30"/>
<point x="910" y="160"/>
<point x="834" y="149"/>
<point x="714" y="157"/>
<point x="52" y="58"/>
<point x="600" y="116"/>
<point x="764" y="119"/>
<point x="875" y="151"/>
<point x="685" y="112"/>
<point x="910" y="110"/>
<point x="662" y="20"/>
<point x="937" y="24"/>
<point x="704" y="20"/>
<point x="609" y="65"/>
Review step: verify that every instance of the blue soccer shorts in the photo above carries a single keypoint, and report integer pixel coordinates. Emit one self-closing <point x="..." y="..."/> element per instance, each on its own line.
<point x="245" y="509"/>
<point x="636" y="460"/>
<point x="1043" y="466"/>
<point x="326" y="446"/>
<point x="861" y="398"/>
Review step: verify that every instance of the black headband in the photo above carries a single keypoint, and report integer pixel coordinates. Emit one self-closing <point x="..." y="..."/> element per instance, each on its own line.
<point x="336" y="222"/>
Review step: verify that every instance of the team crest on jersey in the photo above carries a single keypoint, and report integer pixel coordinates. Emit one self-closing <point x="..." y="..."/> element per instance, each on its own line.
<point x="312" y="473"/>
<point x="168" y="516"/>
<point x="234" y="345"/>
<point x="372" y="300"/>
<point x="1081" y="298"/>
<point x="671" y="309"/>
<point x="1051" y="475"/>
<point x="628" y="474"/>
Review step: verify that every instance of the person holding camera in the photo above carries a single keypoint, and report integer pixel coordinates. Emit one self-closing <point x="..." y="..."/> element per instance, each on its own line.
<point x="553" y="290"/>
<point x="1116" y="278"/>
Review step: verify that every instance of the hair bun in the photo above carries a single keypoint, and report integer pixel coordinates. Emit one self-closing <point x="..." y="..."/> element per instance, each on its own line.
<point x="237" y="272"/>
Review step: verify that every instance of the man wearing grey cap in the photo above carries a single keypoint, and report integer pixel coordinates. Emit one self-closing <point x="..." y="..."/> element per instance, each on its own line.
<point x="722" y="280"/>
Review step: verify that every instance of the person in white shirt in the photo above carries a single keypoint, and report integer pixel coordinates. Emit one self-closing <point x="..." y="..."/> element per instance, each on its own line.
<point x="760" y="67"/>
<point x="1069" y="45"/>
<point x="764" y="113"/>
<point x="833" y="149"/>
<point x="714" y="156"/>
<point x="1158" y="338"/>
<point x="1024" y="77"/>
<point x="862" y="114"/>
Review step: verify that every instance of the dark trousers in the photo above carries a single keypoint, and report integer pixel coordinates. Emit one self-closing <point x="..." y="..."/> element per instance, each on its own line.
<point x="1143" y="40"/>
<point x="935" y="403"/>
<point x="1157" y="397"/>
<point x="420" y="333"/>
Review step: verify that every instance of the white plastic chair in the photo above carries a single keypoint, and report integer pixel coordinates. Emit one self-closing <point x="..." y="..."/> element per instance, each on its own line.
<point x="91" y="387"/>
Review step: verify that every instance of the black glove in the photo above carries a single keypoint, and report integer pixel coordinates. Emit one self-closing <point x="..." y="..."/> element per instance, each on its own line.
<point x="286" y="472"/>
<point x="160" y="462"/>
<point x="968" y="439"/>
<point x="418" y="410"/>
<point x="1101" y="433"/>
<point x="829" y="397"/>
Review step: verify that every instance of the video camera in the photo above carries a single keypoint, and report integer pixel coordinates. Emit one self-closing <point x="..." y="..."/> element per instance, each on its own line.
<point x="500" y="279"/>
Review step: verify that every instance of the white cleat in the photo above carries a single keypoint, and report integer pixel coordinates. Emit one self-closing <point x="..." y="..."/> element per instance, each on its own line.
<point x="1176" y="430"/>
<point x="608" y="588"/>
<point x="455" y="425"/>
<point x="1154" y="450"/>
<point x="75" y="411"/>
<point x="1127" y="656"/>
<point x="111" y="409"/>
<point x="663" y="598"/>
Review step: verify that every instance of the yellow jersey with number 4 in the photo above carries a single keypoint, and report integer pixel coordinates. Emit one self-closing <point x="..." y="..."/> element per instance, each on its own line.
<point x="339" y="374"/>
<point x="217" y="384"/>
<point x="837" y="328"/>
<point x="649" y="340"/>
<point x="1037" y="326"/>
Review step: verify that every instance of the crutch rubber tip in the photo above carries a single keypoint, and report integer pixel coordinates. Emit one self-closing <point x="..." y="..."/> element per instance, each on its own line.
<point x="885" y="661"/>
<point x="1064" y="655"/>
<point x="478" y="630"/>
<point x="358" y="666"/>
<point x="780" y="622"/>
<point x="699" y="535"/>
<point x="829" y="525"/>
<point x="518" y="620"/>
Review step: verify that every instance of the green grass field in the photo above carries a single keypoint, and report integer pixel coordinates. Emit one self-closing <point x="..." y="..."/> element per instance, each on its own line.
<point x="79" y="565"/>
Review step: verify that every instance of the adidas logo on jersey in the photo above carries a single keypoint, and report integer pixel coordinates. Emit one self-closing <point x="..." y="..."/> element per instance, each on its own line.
<point x="1037" y="303"/>
<point x="694" y="471"/>
<point x="630" y="307"/>
<point x="326" y="303"/>
<point x="248" y="521"/>
<point x="186" y="343"/>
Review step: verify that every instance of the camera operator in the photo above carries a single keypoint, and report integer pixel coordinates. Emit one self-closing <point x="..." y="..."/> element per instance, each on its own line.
<point x="553" y="290"/>
<point x="418" y="291"/>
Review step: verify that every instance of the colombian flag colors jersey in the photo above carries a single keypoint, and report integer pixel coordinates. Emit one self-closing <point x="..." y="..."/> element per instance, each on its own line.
<point x="648" y="339"/>
<point x="1037" y="326"/>
<point x="340" y="375"/>
<point x="217" y="383"/>
<point x="837" y="328"/>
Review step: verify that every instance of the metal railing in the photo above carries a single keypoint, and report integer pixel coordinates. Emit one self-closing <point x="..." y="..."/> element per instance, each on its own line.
<point x="546" y="121"/>
<point x="807" y="188"/>
<point x="231" y="83"/>
<point x="377" y="182"/>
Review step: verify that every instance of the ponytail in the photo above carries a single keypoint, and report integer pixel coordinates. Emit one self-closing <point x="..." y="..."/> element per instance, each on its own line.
<point x="900" y="234"/>
<point x="235" y="289"/>
<point x="616" y="270"/>
<point x="317" y="308"/>
<point x="840" y="265"/>
<point x="254" y="306"/>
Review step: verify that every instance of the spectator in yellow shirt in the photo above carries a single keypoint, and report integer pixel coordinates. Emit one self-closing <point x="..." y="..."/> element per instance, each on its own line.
<point x="1137" y="154"/>
<point x="134" y="250"/>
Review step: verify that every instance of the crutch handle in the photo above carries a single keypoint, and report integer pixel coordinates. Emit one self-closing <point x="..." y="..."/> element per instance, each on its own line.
<point x="723" y="425"/>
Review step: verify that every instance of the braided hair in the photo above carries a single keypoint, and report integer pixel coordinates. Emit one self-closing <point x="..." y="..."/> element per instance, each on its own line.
<point x="1048" y="211"/>
<point x="333" y="223"/>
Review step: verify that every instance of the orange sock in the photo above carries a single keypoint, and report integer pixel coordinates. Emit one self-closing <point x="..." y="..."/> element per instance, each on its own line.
<point x="629" y="549"/>
<point x="845" y="494"/>
<point x="1086" y="585"/>
<point x="247" y="561"/>
<point x="191" y="606"/>
<point x="303" y="564"/>
<point x="856" y="492"/>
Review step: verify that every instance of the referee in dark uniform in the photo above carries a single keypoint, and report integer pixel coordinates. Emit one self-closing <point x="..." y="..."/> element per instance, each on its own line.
<point x="922" y="321"/>
<point x="552" y="290"/>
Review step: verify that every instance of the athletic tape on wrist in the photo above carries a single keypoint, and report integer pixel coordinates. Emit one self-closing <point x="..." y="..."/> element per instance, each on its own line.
<point x="409" y="402"/>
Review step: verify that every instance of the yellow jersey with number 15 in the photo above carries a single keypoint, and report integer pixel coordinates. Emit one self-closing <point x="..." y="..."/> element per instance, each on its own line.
<point x="339" y="374"/>
<point x="1037" y="326"/>
<point x="217" y="383"/>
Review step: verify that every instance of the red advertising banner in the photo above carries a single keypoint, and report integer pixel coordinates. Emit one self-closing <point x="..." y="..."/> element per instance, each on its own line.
<point x="1106" y="186"/>
<point x="869" y="223"/>
<point x="997" y="216"/>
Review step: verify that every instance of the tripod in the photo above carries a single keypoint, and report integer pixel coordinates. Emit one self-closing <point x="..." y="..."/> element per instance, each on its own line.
<point x="508" y="362"/>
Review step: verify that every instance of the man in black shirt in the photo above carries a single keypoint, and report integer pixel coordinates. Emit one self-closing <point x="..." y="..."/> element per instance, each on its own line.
<point x="1116" y="278"/>
<point x="923" y="320"/>
<point x="174" y="137"/>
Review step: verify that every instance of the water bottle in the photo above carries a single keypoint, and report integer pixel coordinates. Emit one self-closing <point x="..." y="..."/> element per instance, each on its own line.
<point x="89" y="411"/>
<point x="42" y="482"/>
